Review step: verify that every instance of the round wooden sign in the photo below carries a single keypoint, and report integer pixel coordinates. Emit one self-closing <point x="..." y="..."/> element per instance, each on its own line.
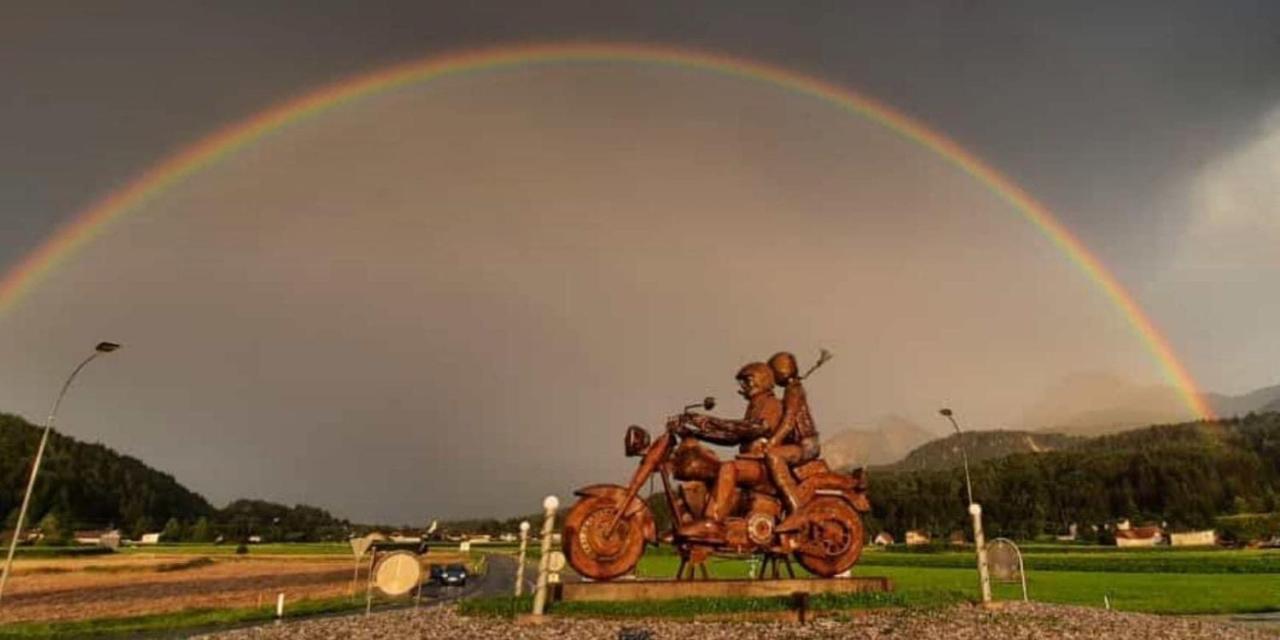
<point x="397" y="573"/>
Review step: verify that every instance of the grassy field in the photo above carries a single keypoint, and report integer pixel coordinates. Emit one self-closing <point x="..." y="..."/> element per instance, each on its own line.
<point x="172" y="622"/>
<point x="271" y="548"/>
<point x="1158" y="560"/>
<point x="1134" y="581"/>
<point x="136" y="592"/>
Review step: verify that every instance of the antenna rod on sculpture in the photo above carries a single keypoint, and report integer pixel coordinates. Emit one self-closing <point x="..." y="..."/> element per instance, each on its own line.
<point x="823" y="357"/>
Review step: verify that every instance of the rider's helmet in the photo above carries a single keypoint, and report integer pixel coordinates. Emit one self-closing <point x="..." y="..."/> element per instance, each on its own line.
<point x="784" y="368"/>
<point x="754" y="379"/>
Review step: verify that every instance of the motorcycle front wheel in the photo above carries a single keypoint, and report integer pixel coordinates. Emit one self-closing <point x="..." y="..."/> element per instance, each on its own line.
<point x="831" y="541"/>
<point x="592" y="549"/>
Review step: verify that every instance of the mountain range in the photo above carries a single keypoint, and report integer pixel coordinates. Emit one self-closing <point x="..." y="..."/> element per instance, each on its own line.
<point x="1078" y="406"/>
<point x="888" y="440"/>
<point x="1100" y="403"/>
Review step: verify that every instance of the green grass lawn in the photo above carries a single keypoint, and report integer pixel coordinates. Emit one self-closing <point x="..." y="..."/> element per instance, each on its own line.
<point x="1181" y="592"/>
<point x="1108" y="560"/>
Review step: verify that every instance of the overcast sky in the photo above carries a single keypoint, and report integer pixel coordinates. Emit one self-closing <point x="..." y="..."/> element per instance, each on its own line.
<point x="451" y="300"/>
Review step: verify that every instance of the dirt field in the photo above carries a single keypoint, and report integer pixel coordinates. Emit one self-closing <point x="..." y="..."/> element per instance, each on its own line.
<point x="130" y="585"/>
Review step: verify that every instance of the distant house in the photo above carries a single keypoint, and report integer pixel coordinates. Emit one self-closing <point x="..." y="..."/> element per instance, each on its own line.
<point x="884" y="539"/>
<point x="252" y="539"/>
<point x="1207" y="538"/>
<point x="957" y="539"/>
<point x="404" y="537"/>
<point x="1073" y="532"/>
<point x="917" y="538"/>
<point x="109" y="538"/>
<point x="150" y="538"/>
<point x="1139" y="537"/>
<point x="507" y="537"/>
<point x="481" y="538"/>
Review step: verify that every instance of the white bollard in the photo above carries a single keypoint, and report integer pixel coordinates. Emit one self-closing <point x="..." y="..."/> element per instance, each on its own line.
<point x="548" y="525"/>
<point x="980" y="541"/>
<point x="280" y="605"/>
<point x="524" y="545"/>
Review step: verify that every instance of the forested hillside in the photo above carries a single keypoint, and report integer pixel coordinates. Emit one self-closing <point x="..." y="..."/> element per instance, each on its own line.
<point x="1184" y="474"/>
<point x="945" y="453"/>
<point x="89" y="486"/>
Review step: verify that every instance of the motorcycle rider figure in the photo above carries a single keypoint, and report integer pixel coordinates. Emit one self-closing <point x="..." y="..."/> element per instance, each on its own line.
<point x="796" y="439"/>
<point x="763" y="415"/>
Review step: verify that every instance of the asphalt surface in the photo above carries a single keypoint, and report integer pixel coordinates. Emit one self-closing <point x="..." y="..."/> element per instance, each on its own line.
<point x="498" y="580"/>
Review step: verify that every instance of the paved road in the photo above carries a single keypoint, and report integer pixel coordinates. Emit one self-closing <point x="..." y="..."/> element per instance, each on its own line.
<point x="498" y="580"/>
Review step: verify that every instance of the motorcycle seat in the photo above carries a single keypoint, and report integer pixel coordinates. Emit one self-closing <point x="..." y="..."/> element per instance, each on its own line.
<point x="809" y="469"/>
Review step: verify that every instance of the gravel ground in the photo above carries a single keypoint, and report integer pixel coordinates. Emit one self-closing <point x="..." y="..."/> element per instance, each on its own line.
<point x="1016" y="620"/>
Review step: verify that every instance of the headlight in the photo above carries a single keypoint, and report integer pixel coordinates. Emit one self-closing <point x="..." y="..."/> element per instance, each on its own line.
<point x="636" y="442"/>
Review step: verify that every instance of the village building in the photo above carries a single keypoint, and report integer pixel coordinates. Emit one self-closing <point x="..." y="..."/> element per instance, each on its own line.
<point x="109" y="538"/>
<point x="1149" y="536"/>
<point x="1073" y="533"/>
<point x="1206" y="538"/>
<point x="916" y="538"/>
<point x="884" y="539"/>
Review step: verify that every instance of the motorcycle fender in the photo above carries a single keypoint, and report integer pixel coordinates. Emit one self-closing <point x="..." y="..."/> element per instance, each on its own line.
<point x="637" y="506"/>
<point x="814" y="487"/>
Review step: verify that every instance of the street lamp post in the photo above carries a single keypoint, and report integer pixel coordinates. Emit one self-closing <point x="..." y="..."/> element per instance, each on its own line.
<point x="101" y="348"/>
<point x="975" y="511"/>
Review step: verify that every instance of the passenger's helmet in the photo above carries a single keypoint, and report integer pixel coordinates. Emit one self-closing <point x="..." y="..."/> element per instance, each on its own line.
<point x="754" y="379"/>
<point x="783" y="366"/>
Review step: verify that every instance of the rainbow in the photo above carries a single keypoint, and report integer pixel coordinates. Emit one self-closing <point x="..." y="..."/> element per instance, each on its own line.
<point x="91" y="222"/>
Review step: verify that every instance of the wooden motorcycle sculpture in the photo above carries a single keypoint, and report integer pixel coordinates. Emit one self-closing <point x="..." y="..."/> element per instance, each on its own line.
<point x="607" y="529"/>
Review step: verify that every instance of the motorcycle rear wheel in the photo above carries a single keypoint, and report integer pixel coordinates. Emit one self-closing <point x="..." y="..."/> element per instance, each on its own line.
<point x="831" y="541"/>
<point x="588" y="545"/>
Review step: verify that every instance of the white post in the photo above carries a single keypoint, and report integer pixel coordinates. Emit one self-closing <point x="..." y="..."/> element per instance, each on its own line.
<point x="280" y="605"/>
<point x="524" y="545"/>
<point x="979" y="540"/>
<point x="548" y="525"/>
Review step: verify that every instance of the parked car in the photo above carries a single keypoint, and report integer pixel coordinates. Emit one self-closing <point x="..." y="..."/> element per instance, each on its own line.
<point x="450" y="575"/>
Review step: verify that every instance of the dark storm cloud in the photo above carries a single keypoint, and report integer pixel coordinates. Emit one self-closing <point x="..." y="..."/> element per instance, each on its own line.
<point x="1094" y="106"/>
<point x="1105" y="111"/>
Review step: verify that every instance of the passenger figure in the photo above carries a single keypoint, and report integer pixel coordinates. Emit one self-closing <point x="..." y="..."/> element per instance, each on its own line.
<point x="796" y="439"/>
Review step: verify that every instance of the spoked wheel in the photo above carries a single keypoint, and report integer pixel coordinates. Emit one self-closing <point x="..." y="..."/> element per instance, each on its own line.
<point x="831" y="541"/>
<point x="592" y="549"/>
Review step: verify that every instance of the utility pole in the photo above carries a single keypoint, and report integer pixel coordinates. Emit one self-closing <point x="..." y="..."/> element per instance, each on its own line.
<point x="103" y="347"/>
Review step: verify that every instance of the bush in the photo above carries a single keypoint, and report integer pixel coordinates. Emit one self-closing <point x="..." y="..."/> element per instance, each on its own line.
<point x="1249" y="527"/>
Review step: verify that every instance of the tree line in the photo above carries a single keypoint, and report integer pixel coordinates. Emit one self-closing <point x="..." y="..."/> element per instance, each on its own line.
<point x="90" y="486"/>
<point x="1185" y="475"/>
